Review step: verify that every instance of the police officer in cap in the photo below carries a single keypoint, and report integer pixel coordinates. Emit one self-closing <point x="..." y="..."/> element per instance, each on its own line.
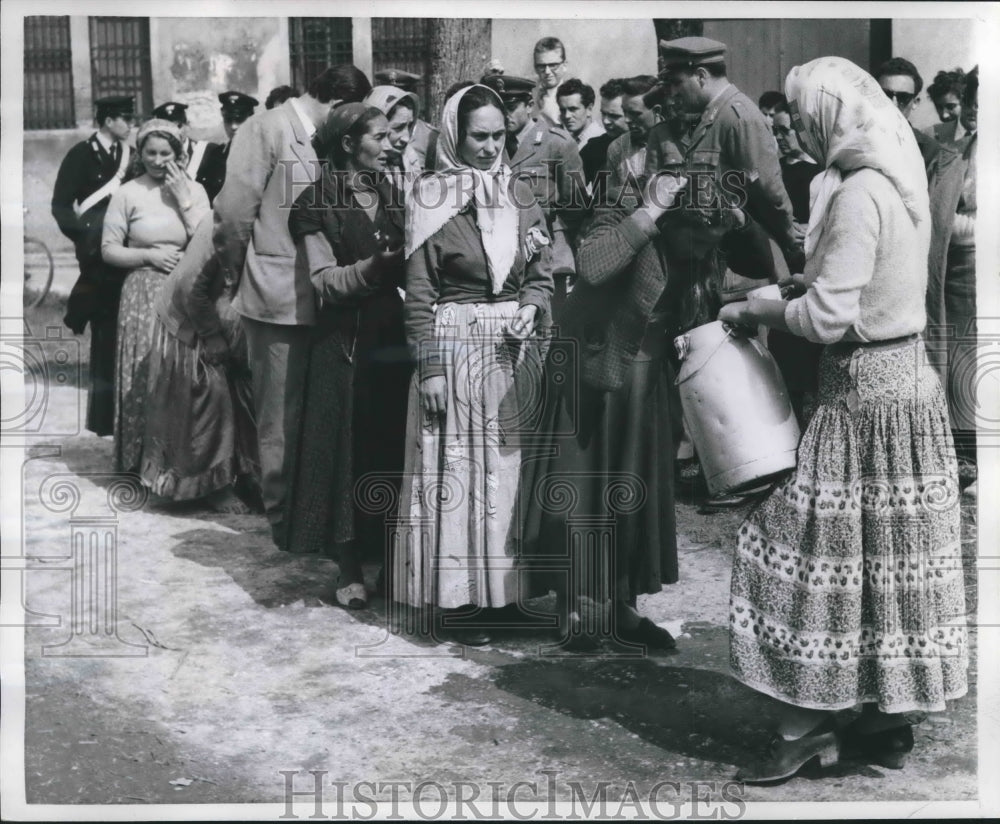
<point x="424" y="137"/>
<point x="730" y="135"/>
<point x="547" y="159"/>
<point x="236" y="107"/>
<point x="89" y="174"/>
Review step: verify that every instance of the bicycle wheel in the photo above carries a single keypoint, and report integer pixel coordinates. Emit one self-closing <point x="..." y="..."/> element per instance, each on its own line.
<point x="39" y="269"/>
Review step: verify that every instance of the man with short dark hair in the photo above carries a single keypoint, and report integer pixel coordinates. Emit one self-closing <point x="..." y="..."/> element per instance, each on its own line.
<point x="901" y="82"/>
<point x="236" y="107"/>
<point x="595" y="153"/>
<point x="271" y="161"/>
<point x="576" y="107"/>
<point x="626" y="160"/>
<point x="769" y="103"/>
<point x="89" y="174"/>
<point x="731" y="136"/>
<point x="550" y="66"/>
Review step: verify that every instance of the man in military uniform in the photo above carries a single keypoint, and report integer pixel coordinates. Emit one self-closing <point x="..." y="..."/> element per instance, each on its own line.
<point x="88" y="176"/>
<point x="423" y="140"/>
<point x="236" y="107"/>
<point x="194" y="150"/>
<point x="547" y="159"/>
<point x="731" y="136"/>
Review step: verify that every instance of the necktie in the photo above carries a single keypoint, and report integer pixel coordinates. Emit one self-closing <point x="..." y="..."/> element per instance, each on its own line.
<point x="511" y="146"/>
<point x="116" y="153"/>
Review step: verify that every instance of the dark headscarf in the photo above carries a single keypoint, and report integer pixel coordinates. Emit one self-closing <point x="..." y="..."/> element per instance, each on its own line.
<point x="337" y="124"/>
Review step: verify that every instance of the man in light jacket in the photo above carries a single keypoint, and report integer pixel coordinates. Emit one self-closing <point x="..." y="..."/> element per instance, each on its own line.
<point x="272" y="159"/>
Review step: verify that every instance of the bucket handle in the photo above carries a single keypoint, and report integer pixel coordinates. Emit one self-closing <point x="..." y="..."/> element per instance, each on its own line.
<point x="730" y="332"/>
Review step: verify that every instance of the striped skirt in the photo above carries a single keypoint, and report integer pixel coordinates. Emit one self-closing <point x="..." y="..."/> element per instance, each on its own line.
<point x="458" y="542"/>
<point x="847" y="583"/>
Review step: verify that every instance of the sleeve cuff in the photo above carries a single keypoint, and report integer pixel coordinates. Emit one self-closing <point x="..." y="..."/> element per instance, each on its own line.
<point x="638" y="229"/>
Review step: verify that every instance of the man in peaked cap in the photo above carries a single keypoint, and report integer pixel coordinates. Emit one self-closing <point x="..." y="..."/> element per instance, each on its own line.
<point x="88" y="176"/>
<point x="236" y="107"/>
<point x="424" y="135"/>
<point x="547" y="159"/>
<point x="730" y="136"/>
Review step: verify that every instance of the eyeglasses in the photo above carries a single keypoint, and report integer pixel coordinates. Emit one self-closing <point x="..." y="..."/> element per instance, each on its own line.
<point x="548" y="67"/>
<point x="904" y="98"/>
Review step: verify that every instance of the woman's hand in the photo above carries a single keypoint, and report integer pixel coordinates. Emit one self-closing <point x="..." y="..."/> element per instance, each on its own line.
<point x="661" y="192"/>
<point x="163" y="258"/>
<point x="176" y="183"/>
<point x="523" y="323"/>
<point x="433" y="396"/>
<point x="739" y="314"/>
<point x="214" y="349"/>
<point x="793" y="287"/>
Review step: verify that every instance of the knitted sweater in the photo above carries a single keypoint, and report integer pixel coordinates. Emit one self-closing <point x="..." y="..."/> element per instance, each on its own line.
<point x="868" y="273"/>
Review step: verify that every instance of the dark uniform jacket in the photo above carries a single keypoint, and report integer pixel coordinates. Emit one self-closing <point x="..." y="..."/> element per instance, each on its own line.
<point x="732" y="135"/>
<point x="85" y="169"/>
<point x="212" y="171"/>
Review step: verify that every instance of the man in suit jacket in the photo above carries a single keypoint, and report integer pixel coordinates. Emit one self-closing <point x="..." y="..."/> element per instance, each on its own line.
<point x="88" y="175"/>
<point x="271" y="161"/>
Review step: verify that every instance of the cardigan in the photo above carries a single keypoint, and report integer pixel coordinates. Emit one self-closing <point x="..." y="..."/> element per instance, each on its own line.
<point x="868" y="274"/>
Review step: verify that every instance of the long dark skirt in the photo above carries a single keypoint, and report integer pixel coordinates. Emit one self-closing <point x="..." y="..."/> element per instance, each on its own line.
<point x="960" y="314"/>
<point x="101" y="398"/>
<point x="353" y="430"/>
<point x="600" y="501"/>
<point x="200" y="430"/>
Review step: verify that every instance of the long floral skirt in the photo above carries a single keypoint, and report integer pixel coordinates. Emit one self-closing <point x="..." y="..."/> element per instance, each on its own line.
<point x="135" y="341"/>
<point x="847" y="583"/>
<point x="200" y="432"/>
<point x="458" y="541"/>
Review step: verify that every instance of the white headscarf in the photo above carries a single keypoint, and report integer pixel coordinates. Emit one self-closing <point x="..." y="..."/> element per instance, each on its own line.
<point x="439" y="197"/>
<point x="846" y="122"/>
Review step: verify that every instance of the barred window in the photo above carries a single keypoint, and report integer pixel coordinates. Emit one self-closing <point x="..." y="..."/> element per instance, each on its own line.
<point x="316" y="43"/>
<point x="119" y="59"/>
<point x="48" y="74"/>
<point x="403" y="43"/>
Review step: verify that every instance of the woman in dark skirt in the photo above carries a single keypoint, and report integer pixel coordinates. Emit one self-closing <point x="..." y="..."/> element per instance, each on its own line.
<point x="601" y="498"/>
<point x="348" y="228"/>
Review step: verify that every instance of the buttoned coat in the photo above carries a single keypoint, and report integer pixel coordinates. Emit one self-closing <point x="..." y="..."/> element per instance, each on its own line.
<point x="271" y="161"/>
<point x="732" y="135"/>
<point x="623" y="269"/>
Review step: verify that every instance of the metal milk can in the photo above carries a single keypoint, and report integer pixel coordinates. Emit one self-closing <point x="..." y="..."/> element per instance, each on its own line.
<point x="736" y="408"/>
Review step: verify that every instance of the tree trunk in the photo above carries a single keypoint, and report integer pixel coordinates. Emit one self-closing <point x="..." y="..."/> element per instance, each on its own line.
<point x="460" y="49"/>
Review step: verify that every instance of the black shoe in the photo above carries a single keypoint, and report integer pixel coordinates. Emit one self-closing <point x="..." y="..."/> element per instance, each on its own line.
<point x="471" y="636"/>
<point x="783" y="759"/>
<point x="648" y="633"/>
<point x="888" y="748"/>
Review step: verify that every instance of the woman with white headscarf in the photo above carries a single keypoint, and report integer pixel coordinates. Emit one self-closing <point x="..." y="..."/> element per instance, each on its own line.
<point x="401" y="109"/>
<point x="847" y="584"/>
<point x="478" y="284"/>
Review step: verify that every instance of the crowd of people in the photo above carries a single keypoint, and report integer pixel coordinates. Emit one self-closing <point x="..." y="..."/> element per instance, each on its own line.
<point x="345" y="305"/>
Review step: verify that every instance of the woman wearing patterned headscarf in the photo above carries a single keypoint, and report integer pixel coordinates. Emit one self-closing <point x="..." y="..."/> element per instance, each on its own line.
<point x="478" y="283"/>
<point x="847" y="584"/>
<point x="348" y="228"/>
<point x="148" y="225"/>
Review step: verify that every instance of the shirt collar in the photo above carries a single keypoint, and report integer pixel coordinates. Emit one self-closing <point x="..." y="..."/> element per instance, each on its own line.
<point x="592" y="129"/>
<point x="719" y="94"/>
<point x="105" y="141"/>
<point x="307" y="123"/>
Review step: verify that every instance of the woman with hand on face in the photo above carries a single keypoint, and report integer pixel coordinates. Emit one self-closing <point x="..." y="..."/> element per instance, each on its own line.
<point x="847" y="584"/>
<point x="348" y="228"/>
<point x="401" y="109"/>
<point x="478" y="283"/>
<point x="148" y="225"/>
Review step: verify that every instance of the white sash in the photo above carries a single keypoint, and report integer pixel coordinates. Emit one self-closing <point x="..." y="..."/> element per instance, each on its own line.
<point x="197" y="153"/>
<point x="108" y="188"/>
